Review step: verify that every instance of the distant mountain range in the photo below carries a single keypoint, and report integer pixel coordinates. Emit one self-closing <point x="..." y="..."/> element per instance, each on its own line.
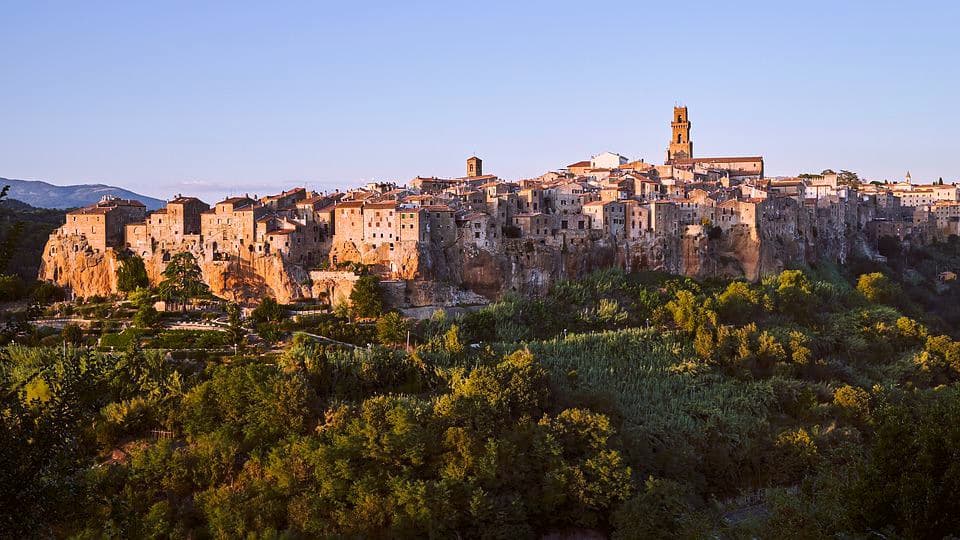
<point x="44" y="195"/>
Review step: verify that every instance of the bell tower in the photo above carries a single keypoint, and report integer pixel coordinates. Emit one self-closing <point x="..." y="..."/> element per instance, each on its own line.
<point x="680" y="144"/>
<point x="474" y="166"/>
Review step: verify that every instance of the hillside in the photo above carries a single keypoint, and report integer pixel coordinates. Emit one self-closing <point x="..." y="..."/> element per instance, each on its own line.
<point x="808" y="405"/>
<point x="37" y="224"/>
<point x="45" y="195"/>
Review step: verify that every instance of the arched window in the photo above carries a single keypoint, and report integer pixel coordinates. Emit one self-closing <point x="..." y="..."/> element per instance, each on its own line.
<point x="679" y="137"/>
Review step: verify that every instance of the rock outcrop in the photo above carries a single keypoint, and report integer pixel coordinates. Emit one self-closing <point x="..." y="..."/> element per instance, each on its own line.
<point x="420" y="274"/>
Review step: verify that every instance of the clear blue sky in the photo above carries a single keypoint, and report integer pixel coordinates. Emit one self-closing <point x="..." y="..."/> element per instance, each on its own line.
<point x="232" y="96"/>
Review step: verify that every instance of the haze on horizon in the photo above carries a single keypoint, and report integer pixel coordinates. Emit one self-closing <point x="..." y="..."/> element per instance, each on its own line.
<point x="229" y="98"/>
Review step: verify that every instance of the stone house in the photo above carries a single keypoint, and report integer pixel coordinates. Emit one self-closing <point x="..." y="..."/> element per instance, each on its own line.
<point x="380" y="223"/>
<point x="479" y="229"/>
<point x="348" y="222"/>
<point x="535" y="225"/>
<point x="103" y="225"/>
<point x="607" y="216"/>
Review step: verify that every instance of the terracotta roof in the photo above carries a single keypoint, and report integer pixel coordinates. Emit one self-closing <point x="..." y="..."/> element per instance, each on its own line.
<point x="311" y="200"/>
<point x="350" y="204"/>
<point x="284" y="194"/>
<point x="585" y="163"/>
<point x="438" y="208"/>
<point x="381" y="205"/>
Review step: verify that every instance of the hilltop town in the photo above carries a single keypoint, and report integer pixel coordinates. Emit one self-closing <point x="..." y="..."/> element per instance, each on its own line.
<point x="467" y="239"/>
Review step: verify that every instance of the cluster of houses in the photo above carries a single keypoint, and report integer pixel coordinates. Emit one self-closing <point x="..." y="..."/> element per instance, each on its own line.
<point x="606" y="197"/>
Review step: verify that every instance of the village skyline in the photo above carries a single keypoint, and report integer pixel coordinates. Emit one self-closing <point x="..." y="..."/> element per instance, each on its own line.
<point x="175" y="98"/>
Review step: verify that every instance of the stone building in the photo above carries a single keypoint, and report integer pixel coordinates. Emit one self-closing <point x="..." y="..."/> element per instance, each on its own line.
<point x="607" y="216"/>
<point x="348" y="222"/>
<point x="103" y="225"/>
<point x="380" y="223"/>
<point x="536" y="225"/>
<point x="229" y="228"/>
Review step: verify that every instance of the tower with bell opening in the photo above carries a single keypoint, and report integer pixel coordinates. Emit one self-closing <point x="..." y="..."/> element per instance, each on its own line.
<point x="680" y="144"/>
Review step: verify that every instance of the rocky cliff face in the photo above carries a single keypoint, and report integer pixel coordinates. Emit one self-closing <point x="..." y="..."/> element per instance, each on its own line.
<point x="69" y="261"/>
<point x="419" y="275"/>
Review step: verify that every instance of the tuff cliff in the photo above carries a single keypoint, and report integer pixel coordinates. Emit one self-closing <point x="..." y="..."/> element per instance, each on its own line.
<point x="420" y="274"/>
<point x="69" y="261"/>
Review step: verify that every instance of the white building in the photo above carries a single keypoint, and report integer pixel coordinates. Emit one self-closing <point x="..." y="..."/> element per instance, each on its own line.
<point x="607" y="160"/>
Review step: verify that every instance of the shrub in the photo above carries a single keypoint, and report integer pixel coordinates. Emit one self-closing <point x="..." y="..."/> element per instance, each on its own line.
<point x="392" y="328"/>
<point x="47" y="293"/>
<point x="11" y="288"/>
<point x="72" y="334"/>
<point x="878" y="288"/>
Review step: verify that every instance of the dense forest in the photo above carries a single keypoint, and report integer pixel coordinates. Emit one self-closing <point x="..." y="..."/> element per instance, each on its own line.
<point x="31" y="227"/>
<point x="808" y="405"/>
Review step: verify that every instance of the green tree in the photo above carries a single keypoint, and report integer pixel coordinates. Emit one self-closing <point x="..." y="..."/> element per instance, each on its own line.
<point x="795" y="453"/>
<point x="47" y="293"/>
<point x="269" y="311"/>
<point x="141" y="297"/>
<point x="794" y="293"/>
<point x="662" y="509"/>
<point x="11" y="288"/>
<point x="132" y="274"/>
<point x="11" y="237"/>
<point x="910" y="477"/>
<point x="238" y="334"/>
<point x="392" y="328"/>
<point x="72" y="334"/>
<point x="147" y="317"/>
<point x="182" y="279"/>
<point x="366" y="298"/>
<point x="739" y="303"/>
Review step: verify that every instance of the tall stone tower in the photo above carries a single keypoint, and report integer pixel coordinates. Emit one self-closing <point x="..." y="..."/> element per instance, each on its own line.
<point x="474" y="166"/>
<point x="680" y="144"/>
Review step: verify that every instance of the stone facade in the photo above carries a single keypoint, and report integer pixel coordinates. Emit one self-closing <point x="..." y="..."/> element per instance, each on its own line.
<point x="695" y="216"/>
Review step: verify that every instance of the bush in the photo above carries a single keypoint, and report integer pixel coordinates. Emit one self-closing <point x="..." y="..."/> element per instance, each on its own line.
<point x="121" y="341"/>
<point x="190" y="339"/>
<point x="878" y="288"/>
<point x="48" y="293"/>
<point x="147" y="317"/>
<point x="11" y="288"/>
<point x="391" y="328"/>
<point x="268" y="311"/>
<point x="663" y="509"/>
<point x="72" y="334"/>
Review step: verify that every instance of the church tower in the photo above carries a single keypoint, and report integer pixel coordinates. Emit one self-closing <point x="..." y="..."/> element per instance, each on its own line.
<point x="474" y="166"/>
<point x="680" y="144"/>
